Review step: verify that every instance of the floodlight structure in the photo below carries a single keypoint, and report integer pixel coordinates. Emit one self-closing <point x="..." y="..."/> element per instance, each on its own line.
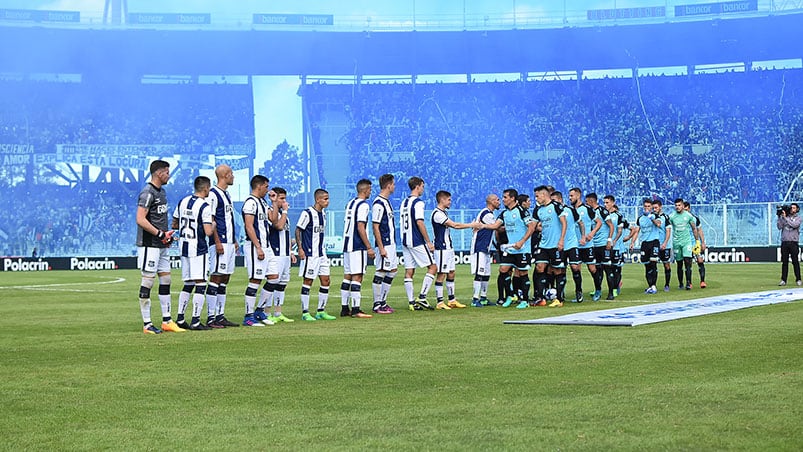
<point x="115" y="12"/>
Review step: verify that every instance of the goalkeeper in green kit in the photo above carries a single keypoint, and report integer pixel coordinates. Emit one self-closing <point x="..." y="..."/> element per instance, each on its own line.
<point x="682" y="222"/>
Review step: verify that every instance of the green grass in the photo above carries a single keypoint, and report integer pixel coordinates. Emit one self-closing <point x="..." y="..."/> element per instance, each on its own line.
<point x="77" y="373"/>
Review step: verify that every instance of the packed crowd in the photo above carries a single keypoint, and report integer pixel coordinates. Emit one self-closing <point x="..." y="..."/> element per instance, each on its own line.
<point x="729" y="137"/>
<point x="55" y="216"/>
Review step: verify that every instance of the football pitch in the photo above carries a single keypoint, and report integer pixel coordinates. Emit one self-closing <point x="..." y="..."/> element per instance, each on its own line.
<point x="77" y="373"/>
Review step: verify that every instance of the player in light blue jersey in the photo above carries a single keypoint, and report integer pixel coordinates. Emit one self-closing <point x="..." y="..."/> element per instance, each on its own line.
<point x="575" y="231"/>
<point x="481" y="252"/>
<point x="647" y="228"/>
<point x="519" y="227"/>
<point x="613" y="222"/>
<point x="664" y="234"/>
<point x="310" y="234"/>
<point x="699" y="246"/>
<point x="193" y="220"/>
<point x="585" y="246"/>
<point x="551" y="255"/>
<point x="601" y="237"/>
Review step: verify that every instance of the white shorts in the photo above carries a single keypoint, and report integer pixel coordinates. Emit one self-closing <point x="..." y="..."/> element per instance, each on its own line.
<point x="481" y="264"/>
<point x="354" y="262"/>
<point x="153" y="260"/>
<point x="314" y="266"/>
<point x="444" y="259"/>
<point x="194" y="268"/>
<point x="222" y="264"/>
<point x="280" y="265"/>
<point x="257" y="268"/>
<point x="417" y="256"/>
<point x="387" y="264"/>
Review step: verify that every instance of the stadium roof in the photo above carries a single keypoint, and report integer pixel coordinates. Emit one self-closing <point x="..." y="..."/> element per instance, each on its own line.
<point x="137" y="52"/>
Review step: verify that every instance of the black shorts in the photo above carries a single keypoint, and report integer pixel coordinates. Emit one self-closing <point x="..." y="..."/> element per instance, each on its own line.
<point x="554" y="257"/>
<point x="649" y="251"/>
<point x="665" y="255"/>
<point x="519" y="261"/>
<point x="602" y="255"/>
<point x="617" y="257"/>
<point x="573" y="256"/>
<point x="587" y="255"/>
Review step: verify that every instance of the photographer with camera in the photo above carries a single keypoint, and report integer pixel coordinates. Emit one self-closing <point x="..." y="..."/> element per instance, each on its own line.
<point x="789" y="224"/>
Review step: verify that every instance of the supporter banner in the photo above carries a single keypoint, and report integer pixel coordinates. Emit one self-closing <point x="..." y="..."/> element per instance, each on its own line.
<point x="108" y="161"/>
<point x="15" y="159"/>
<point x="127" y="150"/>
<point x="31" y="15"/>
<point x="626" y="13"/>
<point x="294" y="19"/>
<point x="235" y="164"/>
<point x="16" y="148"/>
<point x="716" y="8"/>
<point x="169" y="18"/>
<point x="663" y="312"/>
<point x="41" y="159"/>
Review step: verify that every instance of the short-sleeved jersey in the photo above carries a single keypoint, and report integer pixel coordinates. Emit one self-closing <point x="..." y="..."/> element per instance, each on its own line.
<point x="257" y="207"/>
<point x="442" y="239"/>
<point x="155" y="201"/>
<point x="587" y="216"/>
<point x="572" y="227"/>
<point x="481" y="239"/>
<point x="549" y="216"/>
<point x="663" y="219"/>
<point x="647" y="229"/>
<point x="620" y="242"/>
<point x="382" y="214"/>
<point x="601" y="237"/>
<point x="279" y="238"/>
<point x="312" y="224"/>
<point x="223" y="213"/>
<point x="356" y="212"/>
<point x="516" y="223"/>
<point x="682" y="224"/>
<point x="412" y="210"/>
<point x="192" y="213"/>
<point x="617" y="221"/>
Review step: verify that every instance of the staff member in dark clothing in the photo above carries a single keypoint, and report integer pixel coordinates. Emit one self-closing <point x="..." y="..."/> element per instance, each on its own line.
<point x="789" y="224"/>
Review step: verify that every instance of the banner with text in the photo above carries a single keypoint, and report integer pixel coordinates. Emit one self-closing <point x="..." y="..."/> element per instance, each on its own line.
<point x="716" y="8"/>
<point x="170" y="18"/>
<point x="31" y="15"/>
<point x="294" y="19"/>
<point x="626" y="13"/>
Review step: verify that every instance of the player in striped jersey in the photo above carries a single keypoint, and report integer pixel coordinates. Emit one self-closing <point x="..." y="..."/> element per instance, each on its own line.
<point x="551" y="256"/>
<point x="481" y="252"/>
<point x="444" y="250"/>
<point x="310" y="231"/>
<point x="613" y="221"/>
<point x="280" y="260"/>
<point x="224" y="238"/>
<point x="256" y="249"/>
<point x="387" y="261"/>
<point x="193" y="219"/>
<point x="416" y="247"/>
<point x="153" y="241"/>
<point x="356" y="251"/>
<point x="601" y="237"/>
